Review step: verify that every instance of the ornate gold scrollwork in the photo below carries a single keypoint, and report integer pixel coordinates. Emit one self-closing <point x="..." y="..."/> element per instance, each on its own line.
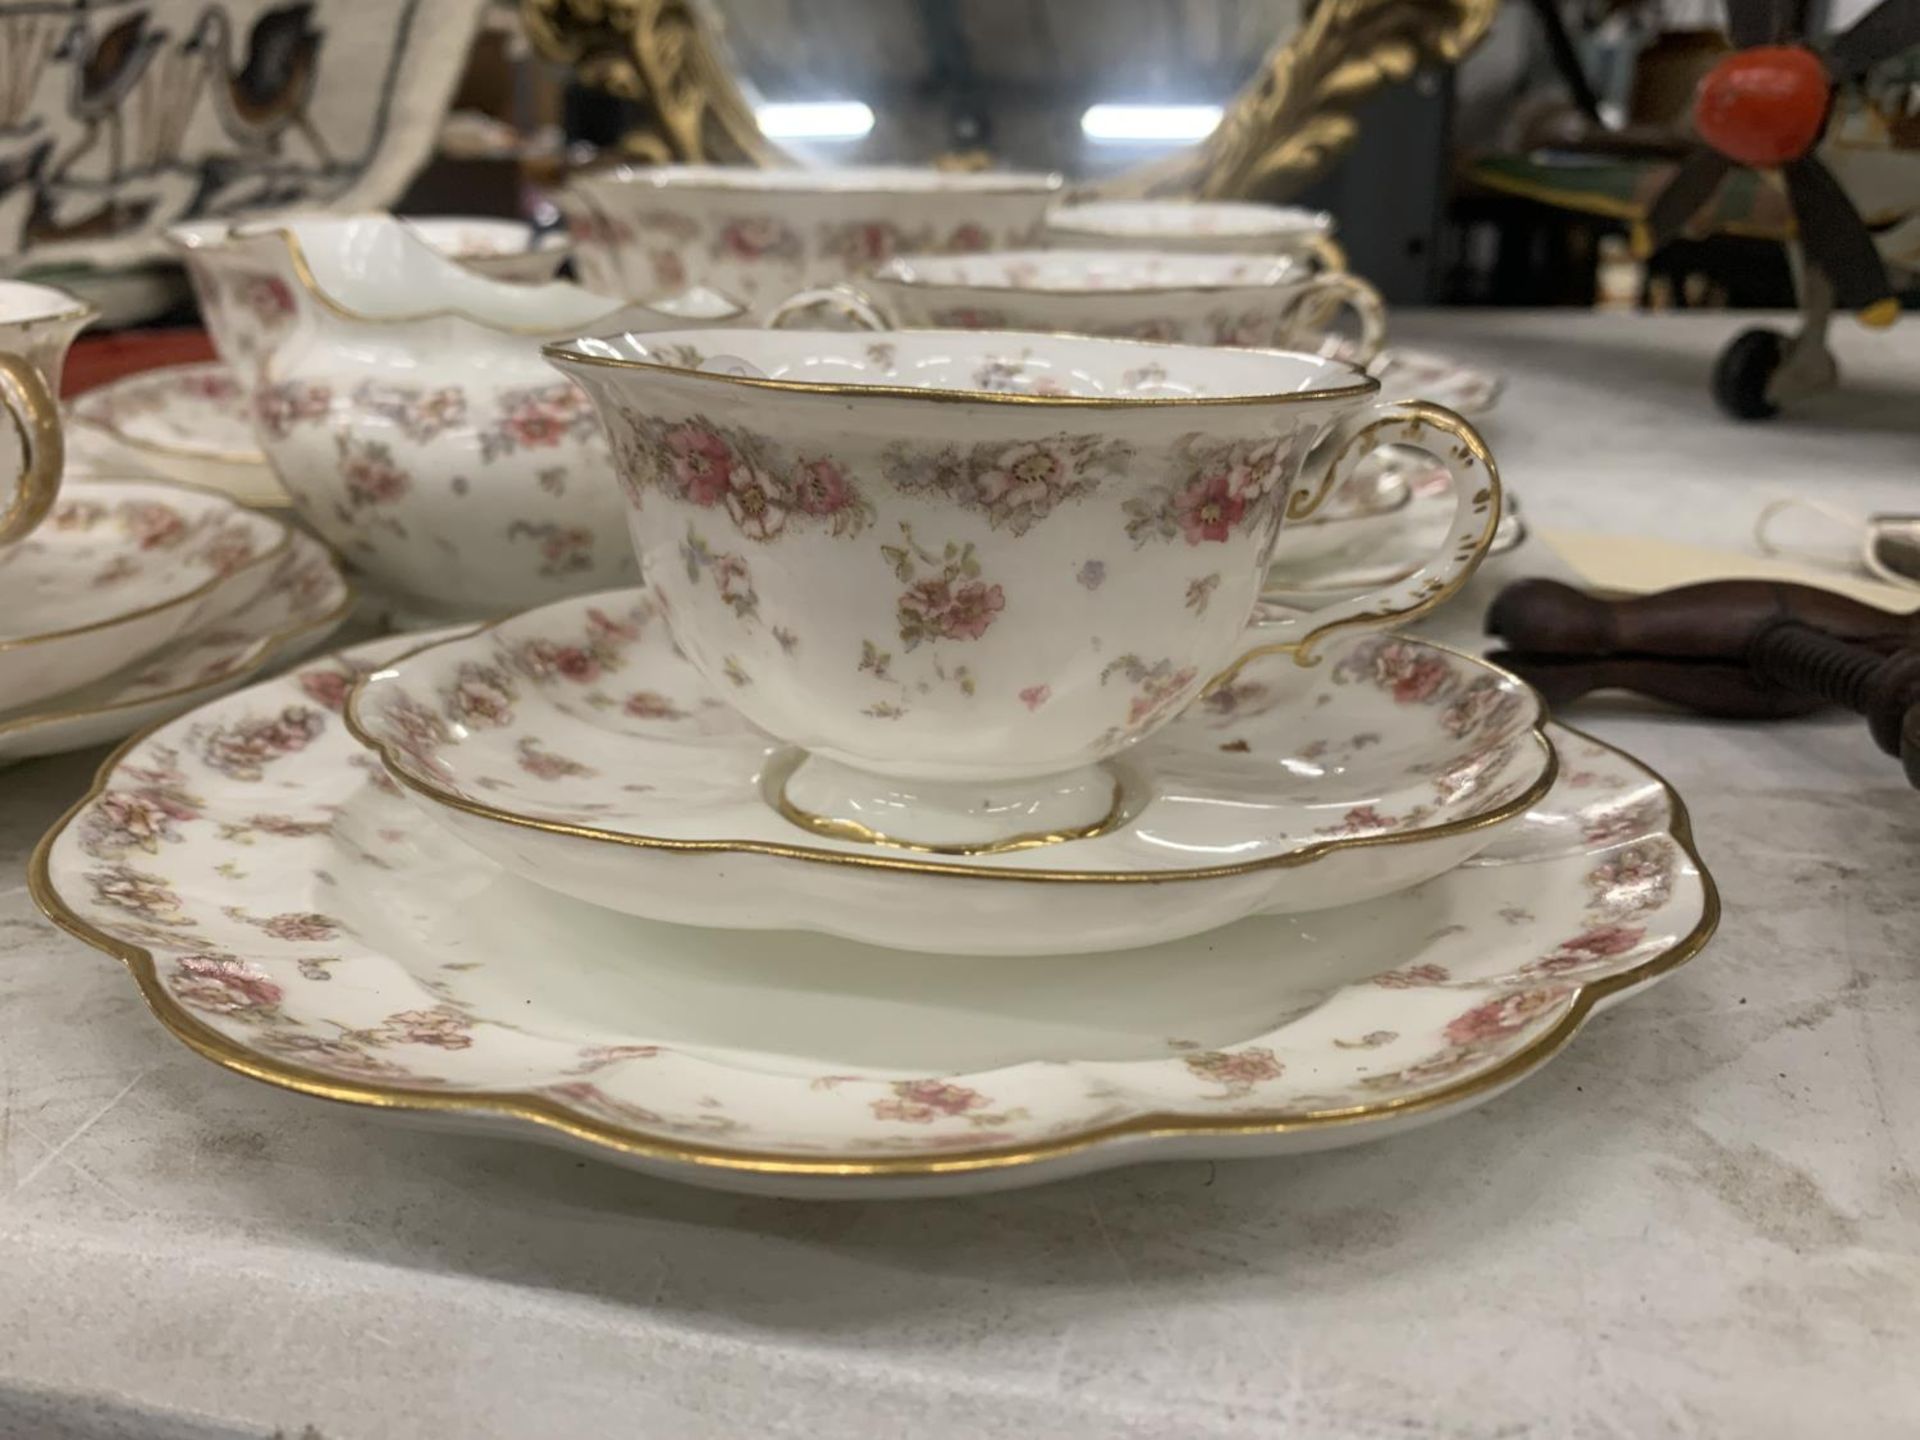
<point x="1295" y="118"/>
<point x="1287" y="127"/>
<point x="659" y="55"/>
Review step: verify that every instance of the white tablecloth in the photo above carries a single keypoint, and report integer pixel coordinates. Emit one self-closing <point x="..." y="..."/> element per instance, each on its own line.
<point x="1703" y="1220"/>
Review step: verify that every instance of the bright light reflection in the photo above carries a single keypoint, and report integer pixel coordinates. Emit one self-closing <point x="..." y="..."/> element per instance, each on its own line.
<point x="815" y="119"/>
<point x="1134" y="124"/>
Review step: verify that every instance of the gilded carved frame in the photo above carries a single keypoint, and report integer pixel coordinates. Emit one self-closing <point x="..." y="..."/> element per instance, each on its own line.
<point x="1284" y="129"/>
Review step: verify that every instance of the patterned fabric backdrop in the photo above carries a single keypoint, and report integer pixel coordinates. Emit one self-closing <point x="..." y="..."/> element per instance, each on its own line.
<point x="120" y="117"/>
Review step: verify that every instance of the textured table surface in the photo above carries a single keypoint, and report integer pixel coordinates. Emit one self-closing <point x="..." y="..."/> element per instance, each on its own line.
<point x="1703" y="1220"/>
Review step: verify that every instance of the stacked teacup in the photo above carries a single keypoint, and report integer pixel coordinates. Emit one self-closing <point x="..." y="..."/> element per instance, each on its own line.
<point x="124" y="600"/>
<point x="952" y="639"/>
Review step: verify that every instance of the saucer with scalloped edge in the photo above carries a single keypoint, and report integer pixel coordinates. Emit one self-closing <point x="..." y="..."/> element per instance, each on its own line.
<point x="306" y="600"/>
<point x="118" y="569"/>
<point x="289" y="916"/>
<point x="573" y="745"/>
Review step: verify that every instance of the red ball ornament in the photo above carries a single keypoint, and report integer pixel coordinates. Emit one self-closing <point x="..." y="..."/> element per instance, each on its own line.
<point x="1764" y="106"/>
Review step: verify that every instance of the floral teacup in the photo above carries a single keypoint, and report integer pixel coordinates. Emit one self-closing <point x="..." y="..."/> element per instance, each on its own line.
<point x="961" y="569"/>
<point x="1271" y="301"/>
<point x="1209" y="226"/>
<point x="37" y="326"/>
<point x="409" y="415"/>
<point x="757" y="235"/>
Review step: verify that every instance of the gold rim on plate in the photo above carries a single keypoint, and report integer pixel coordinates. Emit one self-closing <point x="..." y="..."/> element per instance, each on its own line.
<point x="263" y="652"/>
<point x="1291" y="859"/>
<point x="548" y="1115"/>
<point x="273" y="552"/>
<point x="78" y="407"/>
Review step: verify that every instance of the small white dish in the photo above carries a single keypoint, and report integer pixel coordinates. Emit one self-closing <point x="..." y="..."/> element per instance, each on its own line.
<point x="305" y="601"/>
<point x="118" y="569"/>
<point x="574" y="746"/>
<point x="179" y="422"/>
<point x="287" y="916"/>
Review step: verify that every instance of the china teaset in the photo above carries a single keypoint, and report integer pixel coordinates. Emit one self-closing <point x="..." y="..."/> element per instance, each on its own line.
<point x="949" y="750"/>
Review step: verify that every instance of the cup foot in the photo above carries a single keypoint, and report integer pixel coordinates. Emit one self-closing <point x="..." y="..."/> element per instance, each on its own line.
<point x="947" y="817"/>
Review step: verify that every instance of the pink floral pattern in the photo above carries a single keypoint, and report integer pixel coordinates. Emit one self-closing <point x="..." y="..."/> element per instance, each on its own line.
<point x="1157" y="688"/>
<point x="757" y="238"/>
<point x="564" y="549"/>
<point x="544" y="764"/>
<point x="540" y="418"/>
<point x="732" y="577"/>
<point x="1236" y="1072"/>
<point x="1226" y="487"/>
<point x="418" y="412"/>
<point x="281" y="408"/>
<point x="244" y="750"/>
<point x="369" y="473"/>
<point x="1014" y="486"/>
<point x="762" y="486"/>
<point x="139" y="862"/>
<point x="945" y="598"/>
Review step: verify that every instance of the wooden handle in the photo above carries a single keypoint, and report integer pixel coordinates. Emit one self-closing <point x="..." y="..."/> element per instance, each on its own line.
<point x="1885" y="689"/>
<point x="1724" y="691"/>
<point x="1714" y="621"/>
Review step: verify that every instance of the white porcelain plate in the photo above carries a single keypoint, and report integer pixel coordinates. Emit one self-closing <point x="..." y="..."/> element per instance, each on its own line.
<point x="290" y="917"/>
<point x="118" y="569"/>
<point x="180" y="422"/>
<point x="305" y="601"/>
<point x="574" y="746"/>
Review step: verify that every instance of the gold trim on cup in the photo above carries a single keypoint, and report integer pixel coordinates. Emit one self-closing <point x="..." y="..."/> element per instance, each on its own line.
<point x="839" y="828"/>
<point x="545" y="1113"/>
<point x="35" y="416"/>
<point x="1433" y="596"/>
<point x="1298" y="274"/>
<point x="561" y="353"/>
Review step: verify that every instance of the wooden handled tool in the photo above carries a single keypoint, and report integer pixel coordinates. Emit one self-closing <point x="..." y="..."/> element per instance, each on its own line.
<point x="1746" y="649"/>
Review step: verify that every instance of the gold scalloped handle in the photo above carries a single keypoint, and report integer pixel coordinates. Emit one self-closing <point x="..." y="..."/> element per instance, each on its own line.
<point x="849" y="302"/>
<point x="1310" y="312"/>
<point x="35" y="417"/>
<point x="1453" y="443"/>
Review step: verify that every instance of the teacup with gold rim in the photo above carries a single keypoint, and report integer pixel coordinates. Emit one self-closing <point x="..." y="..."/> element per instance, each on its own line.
<point x="1273" y="301"/>
<point x="37" y="326"/>
<point x="1204" y="226"/>
<point x="756" y="235"/>
<point x="965" y="570"/>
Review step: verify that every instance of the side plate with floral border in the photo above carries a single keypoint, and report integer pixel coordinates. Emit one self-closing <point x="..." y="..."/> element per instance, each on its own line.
<point x="306" y="601"/>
